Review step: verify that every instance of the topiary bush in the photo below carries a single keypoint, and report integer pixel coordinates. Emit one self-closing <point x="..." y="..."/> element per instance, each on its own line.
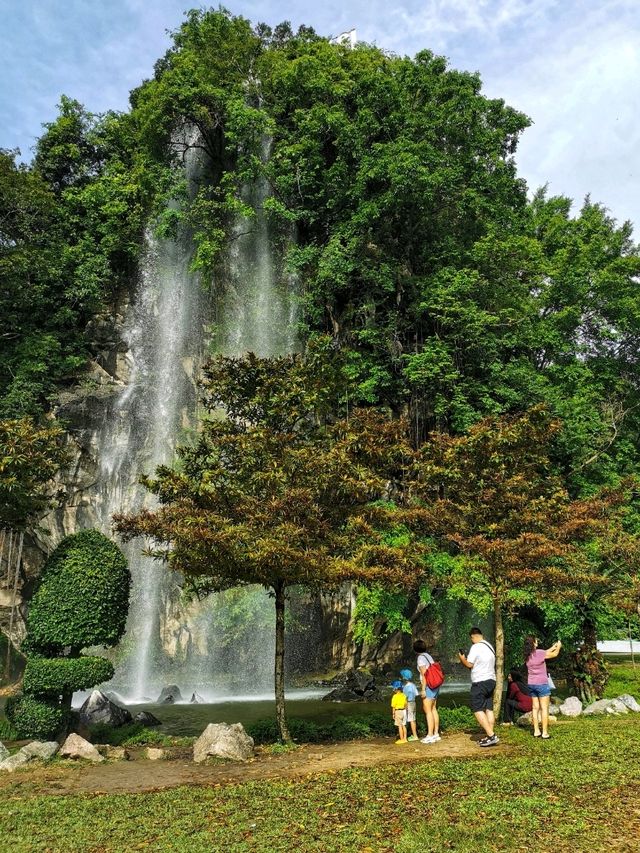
<point x="82" y="600"/>
<point x="83" y="596"/>
<point x="54" y="676"/>
<point x="35" y="718"/>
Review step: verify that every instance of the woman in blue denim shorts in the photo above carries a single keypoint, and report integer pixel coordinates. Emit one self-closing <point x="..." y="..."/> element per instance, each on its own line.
<point x="538" y="682"/>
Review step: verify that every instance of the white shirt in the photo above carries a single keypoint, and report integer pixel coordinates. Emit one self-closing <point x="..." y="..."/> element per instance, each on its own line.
<point x="484" y="662"/>
<point x="424" y="660"/>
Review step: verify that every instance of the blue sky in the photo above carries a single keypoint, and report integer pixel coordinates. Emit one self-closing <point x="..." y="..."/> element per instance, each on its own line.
<point x="572" y="65"/>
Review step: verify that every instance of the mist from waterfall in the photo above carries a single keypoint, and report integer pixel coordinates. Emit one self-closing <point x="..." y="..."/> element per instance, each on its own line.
<point x="165" y="336"/>
<point x="213" y="644"/>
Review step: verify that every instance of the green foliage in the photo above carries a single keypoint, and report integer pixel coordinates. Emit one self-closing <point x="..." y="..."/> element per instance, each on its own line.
<point x="342" y="728"/>
<point x="83" y="596"/>
<point x="580" y="790"/>
<point x="35" y="718"/>
<point x="81" y="600"/>
<point x="457" y="718"/>
<point x="623" y="678"/>
<point x="53" y="676"/>
<point x="379" y="613"/>
<point x="132" y="734"/>
<point x="7" y="731"/>
<point x="30" y="455"/>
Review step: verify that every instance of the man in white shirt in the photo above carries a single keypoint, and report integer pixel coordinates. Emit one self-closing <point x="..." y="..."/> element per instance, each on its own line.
<point x="481" y="660"/>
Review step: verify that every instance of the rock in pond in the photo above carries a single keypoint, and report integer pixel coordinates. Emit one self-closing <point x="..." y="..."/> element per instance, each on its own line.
<point x="77" y="747"/>
<point x="359" y="686"/>
<point x="169" y="695"/>
<point x="147" y="719"/>
<point x="43" y="750"/>
<point x="14" y="761"/>
<point x="224" y="741"/>
<point x="630" y="701"/>
<point x="4" y="752"/>
<point x="98" y="708"/>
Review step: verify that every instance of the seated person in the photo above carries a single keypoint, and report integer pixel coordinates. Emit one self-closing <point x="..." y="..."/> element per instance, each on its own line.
<point x="517" y="698"/>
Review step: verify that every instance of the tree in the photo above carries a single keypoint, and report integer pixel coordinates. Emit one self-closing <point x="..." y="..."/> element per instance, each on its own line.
<point x="274" y="492"/>
<point x="30" y="455"/>
<point x="82" y="600"/>
<point x="493" y="497"/>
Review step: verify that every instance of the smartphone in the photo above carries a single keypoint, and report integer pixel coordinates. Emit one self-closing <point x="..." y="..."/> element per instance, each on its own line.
<point x="461" y="651"/>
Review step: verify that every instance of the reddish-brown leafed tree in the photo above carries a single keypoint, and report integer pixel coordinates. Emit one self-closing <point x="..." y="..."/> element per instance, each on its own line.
<point x="491" y="495"/>
<point x="275" y="493"/>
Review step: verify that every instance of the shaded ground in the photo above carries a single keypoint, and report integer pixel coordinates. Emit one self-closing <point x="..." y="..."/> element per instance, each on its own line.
<point x="141" y="775"/>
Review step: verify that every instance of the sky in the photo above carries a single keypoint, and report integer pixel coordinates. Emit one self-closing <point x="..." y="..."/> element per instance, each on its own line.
<point x="573" y="66"/>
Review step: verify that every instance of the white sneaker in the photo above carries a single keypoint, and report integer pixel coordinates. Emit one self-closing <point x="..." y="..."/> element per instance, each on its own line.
<point x="428" y="739"/>
<point x="435" y="738"/>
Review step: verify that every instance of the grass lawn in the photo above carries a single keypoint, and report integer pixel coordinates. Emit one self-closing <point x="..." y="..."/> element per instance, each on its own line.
<point x="580" y="791"/>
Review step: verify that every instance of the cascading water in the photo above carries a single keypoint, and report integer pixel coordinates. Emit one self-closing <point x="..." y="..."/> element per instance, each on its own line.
<point x="204" y="646"/>
<point x="165" y="336"/>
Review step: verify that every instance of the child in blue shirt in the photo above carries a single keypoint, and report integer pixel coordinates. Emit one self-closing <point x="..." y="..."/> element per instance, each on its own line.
<point x="410" y="691"/>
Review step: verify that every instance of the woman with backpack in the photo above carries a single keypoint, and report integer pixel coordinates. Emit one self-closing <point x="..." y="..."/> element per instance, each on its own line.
<point x="430" y="683"/>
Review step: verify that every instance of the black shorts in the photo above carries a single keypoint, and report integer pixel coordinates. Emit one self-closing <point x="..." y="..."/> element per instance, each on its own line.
<point x="482" y="695"/>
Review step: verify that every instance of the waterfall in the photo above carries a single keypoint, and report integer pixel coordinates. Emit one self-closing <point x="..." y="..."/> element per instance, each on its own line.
<point x="252" y="308"/>
<point x="165" y="337"/>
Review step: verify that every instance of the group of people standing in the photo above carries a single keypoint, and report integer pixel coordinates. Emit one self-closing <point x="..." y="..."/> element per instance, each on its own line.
<point x="532" y="695"/>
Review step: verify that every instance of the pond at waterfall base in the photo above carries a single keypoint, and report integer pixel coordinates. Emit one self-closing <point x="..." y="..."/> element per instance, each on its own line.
<point x="579" y="791"/>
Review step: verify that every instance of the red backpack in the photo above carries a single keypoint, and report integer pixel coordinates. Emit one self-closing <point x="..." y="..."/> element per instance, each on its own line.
<point x="434" y="676"/>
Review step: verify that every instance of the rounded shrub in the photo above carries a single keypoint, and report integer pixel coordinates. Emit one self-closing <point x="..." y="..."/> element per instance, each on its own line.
<point x="35" y="718"/>
<point x="83" y="596"/>
<point x="53" y="676"/>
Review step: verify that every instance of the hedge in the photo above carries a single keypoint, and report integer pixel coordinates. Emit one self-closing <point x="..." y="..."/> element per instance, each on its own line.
<point x="53" y="676"/>
<point x="83" y="596"/>
<point x="35" y="718"/>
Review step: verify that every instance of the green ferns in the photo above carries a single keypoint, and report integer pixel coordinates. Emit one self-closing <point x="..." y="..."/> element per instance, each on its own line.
<point x="82" y="601"/>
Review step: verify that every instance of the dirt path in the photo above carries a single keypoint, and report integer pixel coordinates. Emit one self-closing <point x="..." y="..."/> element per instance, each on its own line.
<point x="140" y="774"/>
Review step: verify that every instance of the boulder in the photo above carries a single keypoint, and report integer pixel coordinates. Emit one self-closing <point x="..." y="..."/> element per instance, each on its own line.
<point x="77" y="747"/>
<point x="169" y="695"/>
<point x="42" y="750"/>
<point x="224" y="741"/>
<point x="147" y="719"/>
<point x="554" y="709"/>
<point x="630" y="701"/>
<point x="196" y="699"/>
<point x="4" y="752"/>
<point x="571" y="707"/>
<point x="606" y="706"/>
<point x="359" y="686"/>
<point x="616" y="707"/>
<point x="98" y="708"/>
<point x="526" y="720"/>
<point x="14" y="761"/>
<point x="155" y="754"/>
<point x="112" y="753"/>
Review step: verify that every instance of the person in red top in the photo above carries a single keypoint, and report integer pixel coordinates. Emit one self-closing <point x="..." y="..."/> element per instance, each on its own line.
<point x="517" y="698"/>
<point x="538" y="682"/>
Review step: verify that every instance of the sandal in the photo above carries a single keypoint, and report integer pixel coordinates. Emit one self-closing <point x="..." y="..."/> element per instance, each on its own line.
<point x="546" y="737"/>
<point x="537" y="734"/>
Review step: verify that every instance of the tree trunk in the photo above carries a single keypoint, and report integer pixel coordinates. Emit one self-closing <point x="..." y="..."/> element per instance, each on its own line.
<point x="590" y="674"/>
<point x="281" y="714"/>
<point x="499" y="630"/>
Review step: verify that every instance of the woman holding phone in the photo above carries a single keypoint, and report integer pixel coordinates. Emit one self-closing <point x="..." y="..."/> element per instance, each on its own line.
<point x="538" y="682"/>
